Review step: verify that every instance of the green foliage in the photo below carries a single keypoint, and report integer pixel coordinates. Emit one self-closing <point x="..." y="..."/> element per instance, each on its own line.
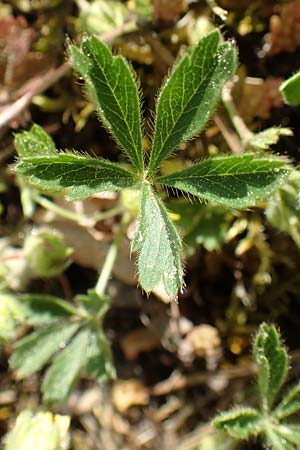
<point x="269" y="420"/>
<point x="65" y="368"/>
<point x="34" y="142"/>
<point x="78" y="176"/>
<point x="272" y="362"/>
<point x="112" y="86"/>
<point x="186" y="101"/>
<point x="159" y="258"/>
<point x="283" y="209"/>
<point x="217" y="440"/>
<point x="11" y="313"/>
<point x="46" y="252"/>
<point x="240" y="423"/>
<point x="40" y="431"/>
<point x="290" y="90"/>
<point x="268" y="137"/>
<point x="71" y="336"/>
<point x="189" y="96"/>
<point x="101" y="16"/>
<point x="33" y="351"/>
<point x="234" y="181"/>
<point x="203" y="224"/>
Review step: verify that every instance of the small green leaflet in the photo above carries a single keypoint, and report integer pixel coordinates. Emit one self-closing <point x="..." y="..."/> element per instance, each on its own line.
<point x="189" y="96"/>
<point x="276" y="441"/>
<point x="99" y="359"/>
<point x="65" y="369"/>
<point x="32" y="352"/>
<point x="290" y="403"/>
<point x="266" y="138"/>
<point x="114" y="91"/>
<point x="158" y="244"/>
<point x="80" y="176"/>
<point x="243" y="423"/>
<point x="283" y="208"/>
<point x="272" y="361"/>
<point x="240" y="423"/>
<point x="290" y="90"/>
<point x="234" y="181"/>
<point x="34" y="142"/>
<point x="42" y="309"/>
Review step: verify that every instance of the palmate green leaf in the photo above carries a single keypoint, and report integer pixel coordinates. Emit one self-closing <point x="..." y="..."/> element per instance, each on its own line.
<point x="32" y="352"/>
<point x="34" y="142"/>
<point x="272" y="362"/>
<point x="240" y="423"/>
<point x="189" y="96"/>
<point x="234" y="181"/>
<point x="158" y="244"/>
<point x="290" y="90"/>
<point x="65" y="369"/>
<point x="80" y="176"/>
<point x="290" y="403"/>
<point x="114" y="91"/>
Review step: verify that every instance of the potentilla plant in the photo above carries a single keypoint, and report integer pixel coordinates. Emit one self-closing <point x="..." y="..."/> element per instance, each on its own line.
<point x="185" y="103"/>
<point x="275" y="419"/>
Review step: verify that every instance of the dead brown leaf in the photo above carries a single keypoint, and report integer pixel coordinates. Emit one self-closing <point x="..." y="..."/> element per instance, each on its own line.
<point x="127" y="393"/>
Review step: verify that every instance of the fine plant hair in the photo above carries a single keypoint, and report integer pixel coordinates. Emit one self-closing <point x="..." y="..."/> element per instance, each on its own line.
<point x="274" y="421"/>
<point x="184" y="104"/>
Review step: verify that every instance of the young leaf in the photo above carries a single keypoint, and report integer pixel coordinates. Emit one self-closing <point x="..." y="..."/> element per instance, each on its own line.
<point x="268" y="137"/>
<point x="272" y="361"/>
<point x="32" y="352"/>
<point x="189" y="96"/>
<point x="290" y="403"/>
<point x="283" y="208"/>
<point x="234" y="181"/>
<point x="205" y="225"/>
<point x="113" y="89"/>
<point x="240" y="423"/>
<point x="290" y="90"/>
<point x="99" y="359"/>
<point x="11" y="313"/>
<point x="276" y="441"/>
<point x="34" y="142"/>
<point x="81" y="176"/>
<point x="94" y="304"/>
<point x="65" y="369"/>
<point x="40" y="431"/>
<point x="289" y="432"/>
<point x="159" y="245"/>
<point x="41" y="309"/>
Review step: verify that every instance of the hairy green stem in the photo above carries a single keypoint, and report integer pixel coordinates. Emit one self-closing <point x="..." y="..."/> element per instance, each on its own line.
<point x="110" y="259"/>
<point x="82" y="219"/>
<point x="237" y="121"/>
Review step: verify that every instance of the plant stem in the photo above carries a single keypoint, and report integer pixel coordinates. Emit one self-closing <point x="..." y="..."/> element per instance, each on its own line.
<point x="238" y="123"/>
<point x="82" y="219"/>
<point x="111" y="256"/>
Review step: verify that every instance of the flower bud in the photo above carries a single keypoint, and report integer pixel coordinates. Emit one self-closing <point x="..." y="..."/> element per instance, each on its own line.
<point x="47" y="253"/>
